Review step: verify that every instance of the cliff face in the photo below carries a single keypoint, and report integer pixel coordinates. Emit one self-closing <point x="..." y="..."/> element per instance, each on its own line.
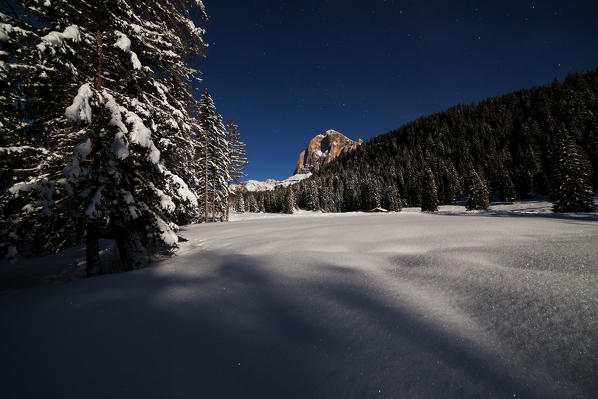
<point x="322" y="149"/>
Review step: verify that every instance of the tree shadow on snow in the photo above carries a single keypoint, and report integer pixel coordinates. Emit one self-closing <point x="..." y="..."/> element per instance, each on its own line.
<point x="240" y="329"/>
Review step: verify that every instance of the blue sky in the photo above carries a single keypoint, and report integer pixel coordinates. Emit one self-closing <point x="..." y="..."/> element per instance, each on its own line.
<point x="288" y="70"/>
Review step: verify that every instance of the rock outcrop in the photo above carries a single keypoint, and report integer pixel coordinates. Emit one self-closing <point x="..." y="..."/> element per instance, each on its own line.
<point x="322" y="149"/>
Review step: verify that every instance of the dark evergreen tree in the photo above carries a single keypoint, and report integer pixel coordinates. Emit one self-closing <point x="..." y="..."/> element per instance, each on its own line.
<point x="312" y="200"/>
<point x="571" y="187"/>
<point x="289" y="201"/>
<point x="429" y="192"/>
<point x="506" y="187"/>
<point x="393" y="199"/>
<point x="477" y="193"/>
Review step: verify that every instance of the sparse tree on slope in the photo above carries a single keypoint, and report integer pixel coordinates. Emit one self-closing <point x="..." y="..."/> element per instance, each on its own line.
<point x="571" y="187"/>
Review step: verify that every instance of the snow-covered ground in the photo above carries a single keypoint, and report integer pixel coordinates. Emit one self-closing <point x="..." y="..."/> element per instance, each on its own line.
<point x="454" y="304"/>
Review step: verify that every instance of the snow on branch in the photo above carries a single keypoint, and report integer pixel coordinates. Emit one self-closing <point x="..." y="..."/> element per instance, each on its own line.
<point x="182" y="188"/>
<point x="141" y="135"/>
<point x="120" y="149"/>
<point x="74" y="169"/>
<point x="6" y="29"/>
<point x="55" y="39"/>
<point x="166" y="232"/>
<point x="92" y="210"/>
<point x="80" y="111"/>
<point x="20" y="149"/>
<point x="124" y="43"/>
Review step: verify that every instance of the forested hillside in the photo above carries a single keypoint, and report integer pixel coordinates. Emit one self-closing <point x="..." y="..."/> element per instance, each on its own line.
<point x="508" y="141"/>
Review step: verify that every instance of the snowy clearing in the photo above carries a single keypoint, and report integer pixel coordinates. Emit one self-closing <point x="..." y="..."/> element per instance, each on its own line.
<point x="454" y="304"/>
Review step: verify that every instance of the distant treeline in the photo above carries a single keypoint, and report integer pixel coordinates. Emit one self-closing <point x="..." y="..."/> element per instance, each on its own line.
<point x="508" y="141"/>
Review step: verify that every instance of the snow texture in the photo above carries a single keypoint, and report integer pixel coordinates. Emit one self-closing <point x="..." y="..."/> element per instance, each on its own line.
<point x="80" y="111"/>
<point x="455" y="304"/>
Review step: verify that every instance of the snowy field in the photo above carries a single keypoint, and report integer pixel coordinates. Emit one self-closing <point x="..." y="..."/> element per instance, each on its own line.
<point x="489" y="304"/>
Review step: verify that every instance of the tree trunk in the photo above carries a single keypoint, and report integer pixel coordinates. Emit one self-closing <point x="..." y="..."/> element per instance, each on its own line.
<point x="206" y="194"/>
<point x="92" y="249"/>
<point x="122" y="243"/>
<point x="92" y="236"/>
<point x="98" y="82"/>
<point x="214" y="205"/>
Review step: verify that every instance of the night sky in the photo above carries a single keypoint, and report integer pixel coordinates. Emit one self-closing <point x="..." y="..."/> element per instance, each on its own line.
<point x="288" y="70"/>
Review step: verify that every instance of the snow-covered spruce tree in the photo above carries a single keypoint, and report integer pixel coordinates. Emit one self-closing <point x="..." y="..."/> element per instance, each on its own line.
<point x="116" y="72"/>
<point x="506" y="187"/>
<point x="237" y="152"/>
<point x="477" y="193"/>
<point x="393" y="198"/>
<point x="429" y="192"/>
<point x="571" y="186"/>
<point x="35" y="139"/>
<point x="237" y="157"/>
<point x="240" y="206"/>
<point x="312" y="200"/>
<point x="207" y="122"/>
<point x="375" y="193"/>
<point x="219" y="153"/>
<point x="214" y="161"/>
<point x="252" y="203"/>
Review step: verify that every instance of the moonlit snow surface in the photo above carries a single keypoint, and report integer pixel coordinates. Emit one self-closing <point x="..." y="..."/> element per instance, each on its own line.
<point x="331" y="306"/>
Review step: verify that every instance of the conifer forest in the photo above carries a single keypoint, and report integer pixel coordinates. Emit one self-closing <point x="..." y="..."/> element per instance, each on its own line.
<point x="510" y="147"/>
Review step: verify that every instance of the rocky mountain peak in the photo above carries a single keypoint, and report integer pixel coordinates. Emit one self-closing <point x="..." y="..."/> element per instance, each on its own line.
<point x="322" y="149"/>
